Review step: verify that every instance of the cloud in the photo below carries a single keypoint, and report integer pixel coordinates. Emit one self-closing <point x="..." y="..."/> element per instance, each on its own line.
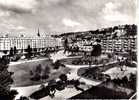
<point x="17" y="6"/>
<point x="70" y="23"/>
<point x="25" y="4"/>
<point x="13" y="27"/>
<point x="14" y="9"/>
<point x="64" y="15"/>
<point x="4" y="13"/>
<point x="112" y="14"/>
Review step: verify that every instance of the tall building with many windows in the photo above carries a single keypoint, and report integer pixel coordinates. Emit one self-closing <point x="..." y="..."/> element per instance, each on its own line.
<point x="120" y="44"/>
<point x="22" y="42"/>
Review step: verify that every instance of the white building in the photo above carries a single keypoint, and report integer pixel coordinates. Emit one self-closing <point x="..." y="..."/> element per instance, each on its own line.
<point x="22" y="42"/>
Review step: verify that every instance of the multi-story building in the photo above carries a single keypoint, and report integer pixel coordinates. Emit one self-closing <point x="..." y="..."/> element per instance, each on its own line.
<point x="120" y="38"/>
<point x="109" y="44"/>
<point x="120" y="44"/>
<point x="22" y="42"/>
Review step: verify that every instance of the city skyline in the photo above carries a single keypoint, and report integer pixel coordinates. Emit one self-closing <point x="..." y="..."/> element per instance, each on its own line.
<point x="58" y="16"/>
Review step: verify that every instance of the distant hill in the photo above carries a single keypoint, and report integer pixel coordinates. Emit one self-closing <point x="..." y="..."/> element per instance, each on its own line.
<point x="120" y="30"/>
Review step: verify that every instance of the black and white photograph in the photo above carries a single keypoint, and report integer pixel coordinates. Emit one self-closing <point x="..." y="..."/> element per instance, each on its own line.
<point x="68" y="49"/>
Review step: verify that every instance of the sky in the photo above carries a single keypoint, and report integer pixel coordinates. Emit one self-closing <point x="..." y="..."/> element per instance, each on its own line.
<point x="58" y="16"/>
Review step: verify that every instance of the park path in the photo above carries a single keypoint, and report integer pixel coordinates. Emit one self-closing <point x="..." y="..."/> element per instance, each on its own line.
<point x="26" y="60"/>
<point x="60" y="55"/>
<point x="74" y="68"/>
<point x="67" y="92"/>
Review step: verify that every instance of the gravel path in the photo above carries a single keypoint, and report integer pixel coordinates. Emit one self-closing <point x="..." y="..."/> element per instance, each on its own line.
<point x="66" y="93"/>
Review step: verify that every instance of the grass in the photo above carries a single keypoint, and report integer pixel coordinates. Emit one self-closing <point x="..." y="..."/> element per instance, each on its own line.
<point x="69" y="60"/>
<point x="85" y="60"/>
<point x="22" y="75"/>
<point x="93" y="70"/>
<point x="101" y="92"/>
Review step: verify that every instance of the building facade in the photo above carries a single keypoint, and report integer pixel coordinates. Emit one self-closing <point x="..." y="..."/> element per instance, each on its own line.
<point x="109" y="44"/>
<point x="120" y="44"/>
<point x="22" y="42"/>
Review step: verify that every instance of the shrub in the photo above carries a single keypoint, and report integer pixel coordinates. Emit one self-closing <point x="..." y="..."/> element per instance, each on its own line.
<point x="6" y="81"/>
<point x="63" y="77"/>
<point x="45" y="76"/>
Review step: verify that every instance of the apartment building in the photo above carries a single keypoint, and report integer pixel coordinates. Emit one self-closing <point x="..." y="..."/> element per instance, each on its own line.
<point x="120" y="44"/>
<point x="22" y="42"/>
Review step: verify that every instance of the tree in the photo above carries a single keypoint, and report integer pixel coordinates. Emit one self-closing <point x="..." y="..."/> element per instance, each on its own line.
<point x="38" y="69"/>
<point x="36" y="76"/>
<point x="5" y="81"/>
<point x="46" y="72"/>
<point x="29" y="52"/>
<point x="57" y="64"/>
<point x="35" y="51"/>
<point x="109" y="55"/>
<point x="14" y="50"/>
<point x="5" y="51"/>
<point x="63" y="77"/>
<point x="52" y="86"/>
<point x="115" y="28"/>
<point x="133" y="81"/>
<point x="31" y="73"/>
<point x="4" y="60"/>
<point x="11" y="53"/>
<point x="96" y="51"/>
<point x="134" y="29"/>
<point x="65" y="45"/>
<point x="60" y="85"/>
<point x="123" y="64"/>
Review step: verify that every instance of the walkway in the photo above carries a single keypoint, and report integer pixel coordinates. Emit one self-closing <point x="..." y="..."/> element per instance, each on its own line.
<point x="26" y="60"/>
<point x="66" y="93"/>
<point x="60" y="55"/>
<point x="116" y="72"/>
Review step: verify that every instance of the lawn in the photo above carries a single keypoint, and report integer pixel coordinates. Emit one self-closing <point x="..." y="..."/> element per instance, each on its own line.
<point x="96" y="71"/>
<point x="82" y="60"/>
<point x="69" y="60"/>
<point x="101" y="92"/>
<point x="22" y="75"/>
